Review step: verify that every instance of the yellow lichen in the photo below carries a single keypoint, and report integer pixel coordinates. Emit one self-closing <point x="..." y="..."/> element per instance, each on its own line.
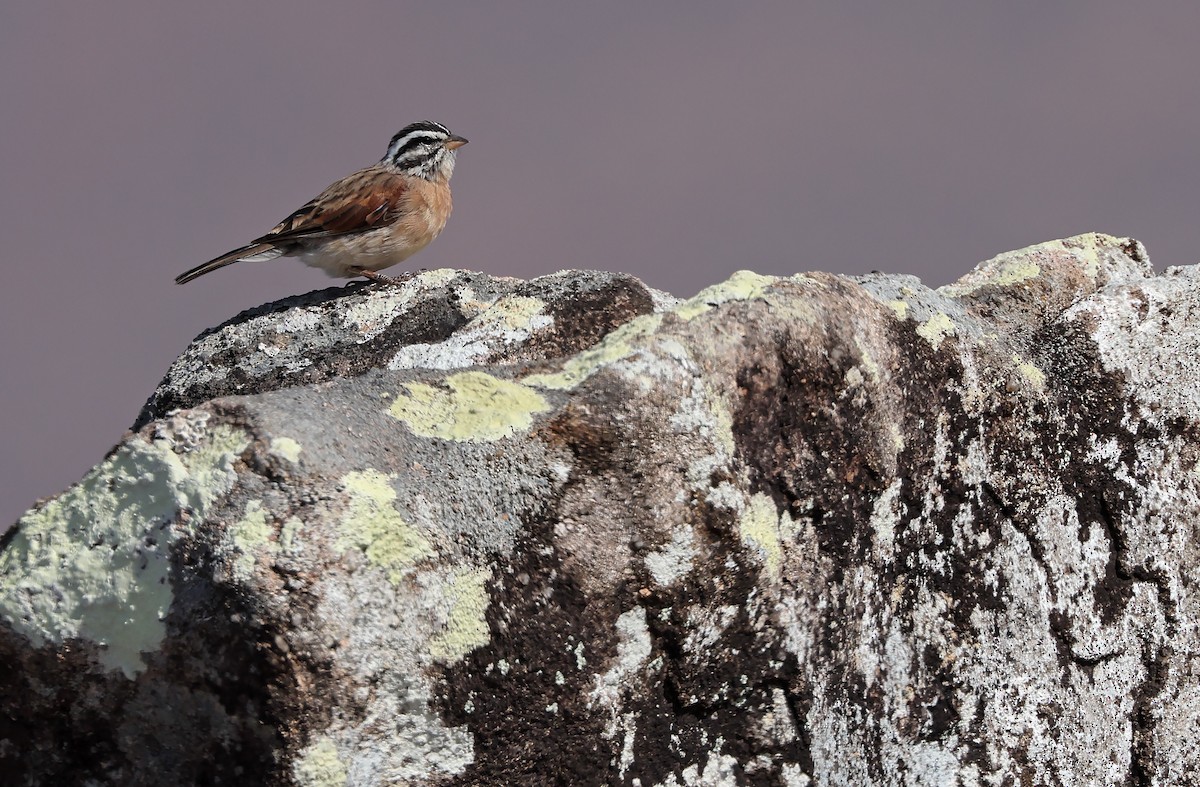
<point x="468" y="407"/>
<point x="759" y="528"/>
<point x="1033" y="374"/>
<point x="616" y="346"/>
<point x="936" y="328"/>
<point x="373" y="525"/>
<point x="741" y="286"/>
<point x="512" y="312"/>
<point x="285" y="447"/>
<point x="466" y="623"/>
<point x="248" y="534"/>
<point x="320" y="766"/>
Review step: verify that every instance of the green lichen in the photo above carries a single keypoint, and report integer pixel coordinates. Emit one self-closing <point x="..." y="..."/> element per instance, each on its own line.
<point x="468" y="407"/>
<point x="466" y="624"/>
<point x="616" y="346"/>
<point x="373" y="525"/>
<point x="93" y="563"/>
<point x="320" y="766"/>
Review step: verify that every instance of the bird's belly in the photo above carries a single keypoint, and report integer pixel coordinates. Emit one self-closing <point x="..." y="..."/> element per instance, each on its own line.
<point x="373" y="251"/>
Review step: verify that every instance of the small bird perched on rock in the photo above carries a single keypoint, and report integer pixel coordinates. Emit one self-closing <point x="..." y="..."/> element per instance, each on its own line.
<point x="367" y="221"/>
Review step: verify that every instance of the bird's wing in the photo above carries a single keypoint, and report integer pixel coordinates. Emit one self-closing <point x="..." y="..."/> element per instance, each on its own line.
<point x="361" y="201"/>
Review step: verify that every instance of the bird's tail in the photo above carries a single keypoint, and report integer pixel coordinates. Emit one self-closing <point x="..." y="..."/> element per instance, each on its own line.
<point x="254" y="252"/>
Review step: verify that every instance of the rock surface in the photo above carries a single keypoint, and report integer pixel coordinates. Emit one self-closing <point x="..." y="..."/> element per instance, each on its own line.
<point x="808" y="530"/>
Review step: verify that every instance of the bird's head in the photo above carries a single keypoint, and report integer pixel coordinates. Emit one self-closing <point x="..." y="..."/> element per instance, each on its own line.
<point x="424" y="150"/>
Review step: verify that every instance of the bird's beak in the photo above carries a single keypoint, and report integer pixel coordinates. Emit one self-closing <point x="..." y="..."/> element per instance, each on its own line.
<point x="454" y="143"/>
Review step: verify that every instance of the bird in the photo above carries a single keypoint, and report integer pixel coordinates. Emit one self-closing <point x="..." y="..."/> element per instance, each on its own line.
<point x="369" y="220"/>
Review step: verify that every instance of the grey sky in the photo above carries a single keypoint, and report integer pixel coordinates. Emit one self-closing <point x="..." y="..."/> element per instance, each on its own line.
<point x="677" y="141"/>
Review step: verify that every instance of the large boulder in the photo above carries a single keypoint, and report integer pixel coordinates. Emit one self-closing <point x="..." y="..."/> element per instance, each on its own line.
<point x="809" y="530"/>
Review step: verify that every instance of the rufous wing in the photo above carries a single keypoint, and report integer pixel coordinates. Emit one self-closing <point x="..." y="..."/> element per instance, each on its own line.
<point x="362" y="201"/>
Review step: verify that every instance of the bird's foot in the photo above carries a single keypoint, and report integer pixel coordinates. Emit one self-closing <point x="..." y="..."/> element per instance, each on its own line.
<point x="401" y="279"/>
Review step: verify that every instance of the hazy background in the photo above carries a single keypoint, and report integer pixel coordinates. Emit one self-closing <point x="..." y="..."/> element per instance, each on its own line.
<point x="679" y="141"/>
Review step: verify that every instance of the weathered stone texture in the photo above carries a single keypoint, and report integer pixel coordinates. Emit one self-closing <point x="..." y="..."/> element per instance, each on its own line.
<point x="809" y="530"/>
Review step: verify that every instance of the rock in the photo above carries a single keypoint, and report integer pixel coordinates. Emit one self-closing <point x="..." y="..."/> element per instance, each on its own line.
<point x="805" y="530"/>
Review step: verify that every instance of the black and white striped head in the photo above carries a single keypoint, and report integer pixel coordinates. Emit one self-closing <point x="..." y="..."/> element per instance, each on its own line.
<point x="424" y="149"/>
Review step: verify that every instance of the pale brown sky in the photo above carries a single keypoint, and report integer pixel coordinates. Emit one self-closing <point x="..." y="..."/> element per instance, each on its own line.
<point x="679" y="141"/>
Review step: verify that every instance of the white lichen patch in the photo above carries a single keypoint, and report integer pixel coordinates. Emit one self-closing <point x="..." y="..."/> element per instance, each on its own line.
<point x="320" y="766"/>
<point x="93" y="563"/>
<point x="706" y="626"/>
<point x="438" y="277"/>
<point x="627" y="728"/>
<point x="778" y="725"/>
<point x="286" y="447"/>
<point x="466" y="625"/>
<point x="759" y="529"/>
<point x="510" y="320"/>
<point x="720" y="770"/>
<point x="371" y="315"/>
<point x="289" y="533"/>
<point x="373" y="525"/>
<point x="885" y="515"/>
<point x="468" y="407"/>
<point x="633" y="651"/>
<point x="868" y="363"/>
<point x="459" y="351"/>
<point x="936" y="328"/>
<point x="741" y="286"/>
<point x="704" y="414"/>
<point x="297" y="320"/>
<point x="616" y="346"/>
<point x="675" y="559"/>
<point x="666" y="358"/>
<point x="1139" y="334"/>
